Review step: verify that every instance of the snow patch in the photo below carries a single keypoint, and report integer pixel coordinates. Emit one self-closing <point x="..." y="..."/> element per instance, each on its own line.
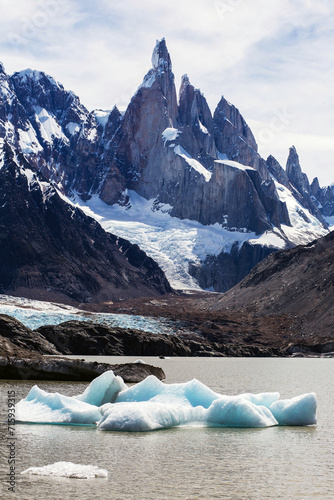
<point x="202" y="128"/>
<point x="170" y="134"/>
<point x="28" y="141"/>
<point x="101" y="116"/>
<point x="149" y="79"/>
<point x="73" y="128"/>
<point x="234" y="164"/>
<point x="330" y="222"/>
<point x="196" y="165"/>
<point x="32" y="178"/>
<point x="305" y="226"/>
<point x="35" y="75"/>
<point x="48" y="125"/>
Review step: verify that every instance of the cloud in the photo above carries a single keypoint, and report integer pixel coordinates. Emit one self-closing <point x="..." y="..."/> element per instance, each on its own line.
<point x="263" y="56"/>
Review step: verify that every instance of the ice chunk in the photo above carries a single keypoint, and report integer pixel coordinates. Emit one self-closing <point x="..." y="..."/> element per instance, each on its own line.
<point x="146" y="416"/>
<point x="238" y="412"/>
<point x="68" y="469"/>
<point x="152" y="404"/>
<point x="43" y="407"/>
<point x="192" y="393"/>
<point x="300" y="410"/>
<point x="262" y="399"/>
<point x="103" y="389"/>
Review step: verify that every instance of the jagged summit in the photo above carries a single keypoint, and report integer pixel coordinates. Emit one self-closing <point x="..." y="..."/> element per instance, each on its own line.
<point x="160" y="58"/>
<point x="35" y="75"/>
<point x="2" y="68"/>
<point x="294" y="172"/>
<point x="204" y="166"/>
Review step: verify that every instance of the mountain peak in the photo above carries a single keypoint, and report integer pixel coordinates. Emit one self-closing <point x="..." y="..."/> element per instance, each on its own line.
<point x="160" y="57"/>
<point x="28" y="74"/>
<point x="2" y="68"/>
<point x="293" y="160"/>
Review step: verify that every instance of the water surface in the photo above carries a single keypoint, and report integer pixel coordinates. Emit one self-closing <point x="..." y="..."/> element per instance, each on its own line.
<point x="189" y="463"/>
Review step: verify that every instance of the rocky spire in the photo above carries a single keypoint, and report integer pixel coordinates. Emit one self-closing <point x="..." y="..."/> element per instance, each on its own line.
<point x="193" y="108"/>
<point x="294" y="172"/>
<point x="277" y="171"/>
<point x="161" y="60"/>
<point x="160" y="77"/>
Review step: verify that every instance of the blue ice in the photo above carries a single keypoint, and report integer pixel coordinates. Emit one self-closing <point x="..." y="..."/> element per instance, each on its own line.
<point x="151" y="404"/>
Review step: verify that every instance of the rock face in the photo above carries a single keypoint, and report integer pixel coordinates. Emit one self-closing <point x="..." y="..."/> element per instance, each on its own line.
<point x="72" y="370"/>
<point x="171" y="153"/>
<point x="205" y="167"/>
<point x="323" y="198"/>
<point x="75" y="337"/>
<point x="52" y="250"/>
<point x="299" y="283"/>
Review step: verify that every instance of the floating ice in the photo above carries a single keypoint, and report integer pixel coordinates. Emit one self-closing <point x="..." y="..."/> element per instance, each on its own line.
<point x="102" y="389"/>
<point x="151" y="404"/>
<point x="68" y="469"/>
<point x="43" y="407"/>
<point x="300" y="410"/>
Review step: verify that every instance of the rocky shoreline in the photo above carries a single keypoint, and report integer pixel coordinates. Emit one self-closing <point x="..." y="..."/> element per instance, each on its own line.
<point x="22" y="350"/>
<point x="78" y="370"/>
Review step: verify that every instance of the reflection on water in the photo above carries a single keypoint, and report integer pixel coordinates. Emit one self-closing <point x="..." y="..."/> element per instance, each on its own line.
<point x="192" y="463"/>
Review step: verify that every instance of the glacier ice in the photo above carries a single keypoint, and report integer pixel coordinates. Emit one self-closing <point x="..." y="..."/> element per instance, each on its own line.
<point x="44" y="407"/>
<point x="151" y="404"/>
<point x="67" y="469"/>
<point x="103" y="389"/>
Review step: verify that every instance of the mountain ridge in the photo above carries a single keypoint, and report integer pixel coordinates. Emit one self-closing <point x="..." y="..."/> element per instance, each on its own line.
<point x="51" y="250"/>
<point x="205" y="167"/>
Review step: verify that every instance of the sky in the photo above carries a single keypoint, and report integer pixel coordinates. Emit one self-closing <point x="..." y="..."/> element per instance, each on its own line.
<point x="273" y="60"/>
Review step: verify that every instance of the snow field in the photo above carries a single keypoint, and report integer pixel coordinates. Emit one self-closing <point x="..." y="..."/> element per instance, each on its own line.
<point x="175" y="243"/>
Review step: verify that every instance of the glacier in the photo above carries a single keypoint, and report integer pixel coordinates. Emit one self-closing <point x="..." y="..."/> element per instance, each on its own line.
<point x="176" y="243"/>
<point x="109" y="405"/>
<point x="36" y="313"/>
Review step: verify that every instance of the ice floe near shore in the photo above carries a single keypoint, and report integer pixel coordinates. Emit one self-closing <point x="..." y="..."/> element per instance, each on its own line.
<point x="151" y="404"/>
<point x="67" y="469"/>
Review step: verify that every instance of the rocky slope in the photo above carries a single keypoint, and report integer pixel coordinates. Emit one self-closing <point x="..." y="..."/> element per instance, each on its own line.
<point x="170" y="149"/>
<point x="52" y="250"/>
<point x="298" y="283"/>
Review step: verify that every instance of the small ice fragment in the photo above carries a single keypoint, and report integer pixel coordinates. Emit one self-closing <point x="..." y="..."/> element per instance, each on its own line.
<point x="68" y="469"/>
<point x="300" y="410"/>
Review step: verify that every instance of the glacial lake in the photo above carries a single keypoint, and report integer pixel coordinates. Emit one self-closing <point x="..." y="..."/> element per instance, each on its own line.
<point x="187" y="463"/>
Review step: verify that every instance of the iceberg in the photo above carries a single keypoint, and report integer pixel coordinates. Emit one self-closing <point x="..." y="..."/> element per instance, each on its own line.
<point x="53" y="408"/>
<point x="67" y="469"/>
<point x="110" y="405"/>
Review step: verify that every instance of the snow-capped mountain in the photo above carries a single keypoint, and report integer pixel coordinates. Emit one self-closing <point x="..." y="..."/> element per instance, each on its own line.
<point x="167" y="166"/>
<point x="51" y="250"/>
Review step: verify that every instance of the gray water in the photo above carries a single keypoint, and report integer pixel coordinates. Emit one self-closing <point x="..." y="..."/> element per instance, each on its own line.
<point x="188" y="463"/>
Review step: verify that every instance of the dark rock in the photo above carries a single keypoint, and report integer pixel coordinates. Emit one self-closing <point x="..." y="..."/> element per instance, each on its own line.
<point x="24" y="338"/>
<point x="81" y="337"/>
<point x="323" y="198"/>
<point x="222" y="272"/>
<point x="277" y="171"/>
<point x="51" y="250"/>
<point x="297" y="283"/>
<point x="72" y="370"/>
<point x="299" y="181"/>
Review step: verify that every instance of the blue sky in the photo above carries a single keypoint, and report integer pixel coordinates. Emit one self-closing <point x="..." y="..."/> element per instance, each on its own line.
<point x="272" y="59"/>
